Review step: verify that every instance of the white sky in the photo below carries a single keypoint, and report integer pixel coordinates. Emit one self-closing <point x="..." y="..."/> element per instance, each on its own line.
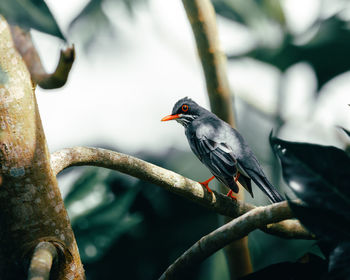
<point x="119" y="95"/>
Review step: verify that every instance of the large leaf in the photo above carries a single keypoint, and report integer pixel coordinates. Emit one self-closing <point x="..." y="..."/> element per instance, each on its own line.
<point x="319" y="176"/>
<point x="30" y="14"/>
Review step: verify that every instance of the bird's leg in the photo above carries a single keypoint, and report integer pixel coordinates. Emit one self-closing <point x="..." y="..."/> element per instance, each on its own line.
<point x="206" y="183"/>
<point x="229" y="194"/>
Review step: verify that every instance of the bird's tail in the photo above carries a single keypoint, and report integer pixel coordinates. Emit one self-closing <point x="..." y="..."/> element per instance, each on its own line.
<point x="268" y="189"/>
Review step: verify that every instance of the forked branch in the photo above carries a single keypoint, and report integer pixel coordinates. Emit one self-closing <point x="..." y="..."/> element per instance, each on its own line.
<point x="25" y="46"/>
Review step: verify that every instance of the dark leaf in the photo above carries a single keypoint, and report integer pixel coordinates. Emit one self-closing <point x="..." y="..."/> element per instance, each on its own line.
<point x="339" y="260"/>
<point x="314" y="268"/>
<point x="319" y="176"/>
<point x="30" y="14"/>
<point x="330" y="226"/>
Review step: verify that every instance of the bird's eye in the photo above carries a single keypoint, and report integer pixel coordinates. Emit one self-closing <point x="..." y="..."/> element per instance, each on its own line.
<point x="184" y="108"/>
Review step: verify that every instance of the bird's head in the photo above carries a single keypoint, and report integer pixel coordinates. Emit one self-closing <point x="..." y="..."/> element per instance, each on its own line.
<point x="184" y="111"/>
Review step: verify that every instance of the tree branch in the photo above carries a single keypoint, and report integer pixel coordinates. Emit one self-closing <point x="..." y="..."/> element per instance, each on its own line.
<point x="170" y="181"/>
<point x="219" y="238"/>
<point x="41" y="262"/>
<point x="24" y="45"/>
<point x="31" y="205"/>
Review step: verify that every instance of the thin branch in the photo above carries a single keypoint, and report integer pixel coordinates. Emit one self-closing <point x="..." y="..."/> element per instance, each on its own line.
<point x="40" y="265"/>
<point x="170" y="181"/>
<point x="24" y="45"/>
<point x="234" y="230"/>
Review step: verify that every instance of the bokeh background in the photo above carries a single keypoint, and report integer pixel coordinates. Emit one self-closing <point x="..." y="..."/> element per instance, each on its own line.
<point x="288" y="67"/>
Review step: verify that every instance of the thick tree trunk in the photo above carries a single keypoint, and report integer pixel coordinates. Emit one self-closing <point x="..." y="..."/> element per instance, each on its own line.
<point x="31" y="206"/>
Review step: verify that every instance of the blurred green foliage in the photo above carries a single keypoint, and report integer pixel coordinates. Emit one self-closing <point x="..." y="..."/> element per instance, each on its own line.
<point x="93" y="21"/>
<point x="325" y="49"/>
<point x="98" y="216"/>
<point x="30" y="14"/>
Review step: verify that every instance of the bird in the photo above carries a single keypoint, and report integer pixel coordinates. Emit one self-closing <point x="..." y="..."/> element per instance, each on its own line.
<point x="222" y="149"/>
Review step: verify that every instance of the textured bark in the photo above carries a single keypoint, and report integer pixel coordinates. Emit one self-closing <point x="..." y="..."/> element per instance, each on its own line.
<point x="24" y="45"/>
<point x="201" y="15"/>
<point x="170" y="181"/>
<point x="31" y="206"/>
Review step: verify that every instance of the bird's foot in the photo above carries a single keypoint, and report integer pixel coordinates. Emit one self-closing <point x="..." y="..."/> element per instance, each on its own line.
<point x="206" y="184"/>
<point x="229" y="194"/>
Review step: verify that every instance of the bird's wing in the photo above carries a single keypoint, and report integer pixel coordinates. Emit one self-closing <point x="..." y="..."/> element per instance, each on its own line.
<point x="218" y="157"/>
<point x="250" y="166"/>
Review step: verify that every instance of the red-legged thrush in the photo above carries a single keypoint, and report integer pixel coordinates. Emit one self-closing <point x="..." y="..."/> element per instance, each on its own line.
<point x="221" y="148"/>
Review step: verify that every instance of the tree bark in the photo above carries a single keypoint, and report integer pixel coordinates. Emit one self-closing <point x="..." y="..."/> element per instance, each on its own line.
<point x="31" y="206"/>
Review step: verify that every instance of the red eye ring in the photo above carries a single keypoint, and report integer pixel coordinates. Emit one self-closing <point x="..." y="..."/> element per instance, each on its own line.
<point x="184" y="108"/>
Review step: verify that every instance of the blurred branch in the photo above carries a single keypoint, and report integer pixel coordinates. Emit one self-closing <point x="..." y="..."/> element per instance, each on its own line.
<point x="234" y="230"/>
<point x="201" y="15"/>
<point x="170" y="181"/>
<point x="24" y="45"/>
<point x="41" y="262"/>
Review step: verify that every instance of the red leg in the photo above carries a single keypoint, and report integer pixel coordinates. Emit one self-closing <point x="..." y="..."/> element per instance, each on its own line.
<point x="206" y="184"/>
<point x="229" y="194"/>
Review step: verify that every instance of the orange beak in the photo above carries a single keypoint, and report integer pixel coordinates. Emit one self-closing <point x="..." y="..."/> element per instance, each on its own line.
<point x="170" y="117"/>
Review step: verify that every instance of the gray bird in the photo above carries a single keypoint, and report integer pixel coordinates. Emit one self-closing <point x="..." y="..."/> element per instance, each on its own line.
<point x="221" y="149"/>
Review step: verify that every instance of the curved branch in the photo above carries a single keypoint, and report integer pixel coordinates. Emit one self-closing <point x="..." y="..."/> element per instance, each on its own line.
<point x="219" y="238"/>
<point x="25" y="46"/>
<point x="170" y="181"/>
<point x="41" y="262"/>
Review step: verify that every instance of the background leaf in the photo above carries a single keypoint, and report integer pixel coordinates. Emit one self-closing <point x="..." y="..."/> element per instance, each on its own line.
<point x="30" y="14"/>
